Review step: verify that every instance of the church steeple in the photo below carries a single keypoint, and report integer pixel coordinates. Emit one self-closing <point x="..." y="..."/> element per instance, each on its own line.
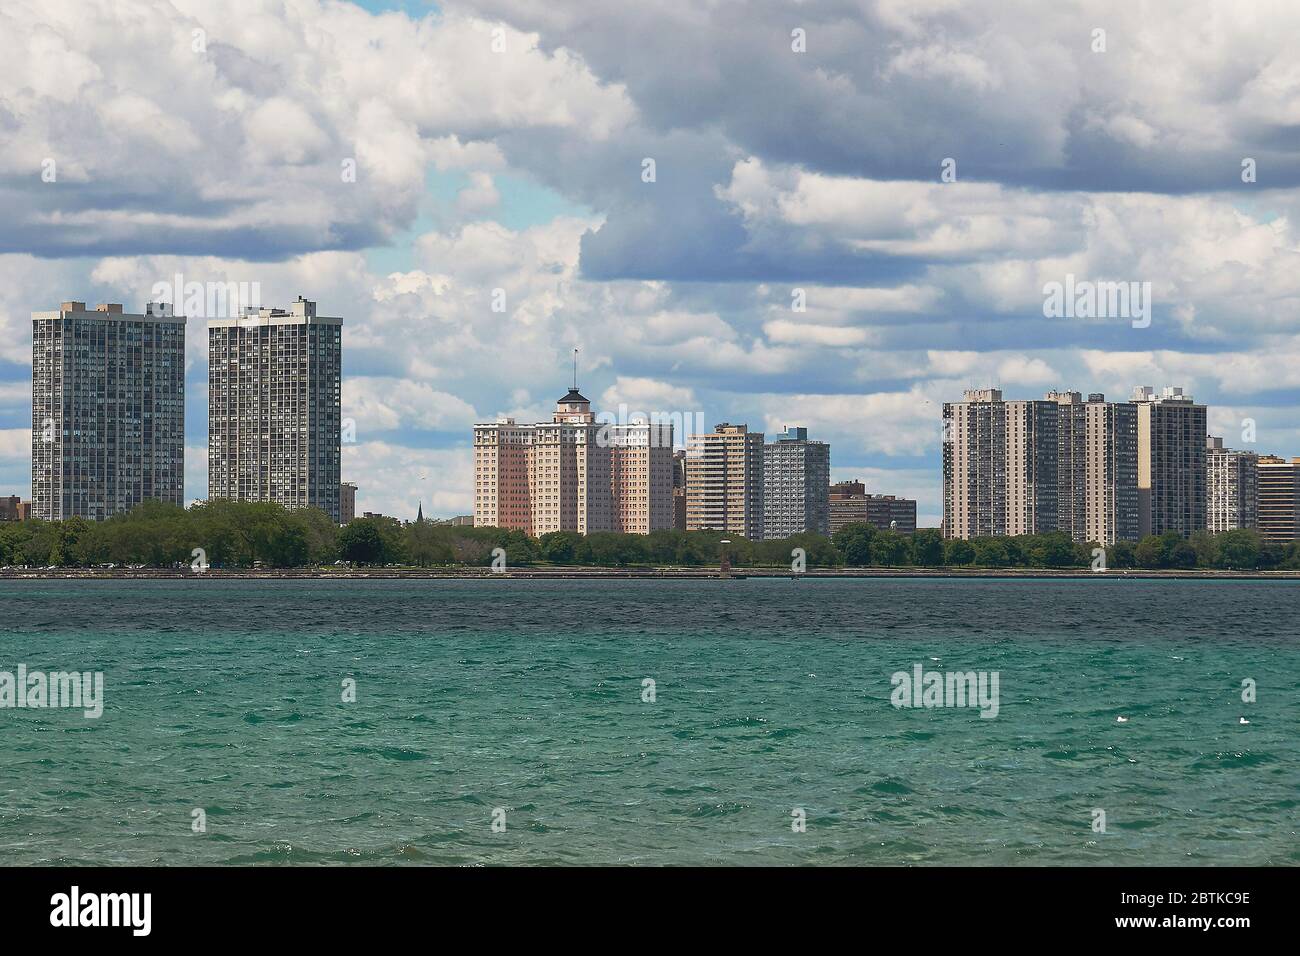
<point x="419" y="514"/>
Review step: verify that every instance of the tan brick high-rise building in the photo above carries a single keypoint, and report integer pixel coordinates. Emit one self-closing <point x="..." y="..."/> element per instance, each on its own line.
<point x="1096" y="468"/>
<point x="999" y="466"/>
<point x="503" y="496"/>
<point x="1279" y="499"/>
<point x="641" y="476"/>
<point x="1171" y="462"/>
<point x="724" y="481"/>
<point x="573" y="473"/>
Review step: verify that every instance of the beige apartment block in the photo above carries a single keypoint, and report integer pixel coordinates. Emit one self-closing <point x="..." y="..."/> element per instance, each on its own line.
<point x="1096" y="468"/>
<point x="573" y="473"/>
<point x="999" y="466"/>
<point x="724" y="481"/>
<point x="1171" y="462"/>
<point x="108" y="410"/>
<point x="502" y="493"/>
<point x="1279" y="499"/>
<point x="641" y="472"/>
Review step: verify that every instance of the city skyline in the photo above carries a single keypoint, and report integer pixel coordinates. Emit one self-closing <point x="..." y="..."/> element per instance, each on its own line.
<point x="813" y="275"/>
<point x="1101" y="471"/>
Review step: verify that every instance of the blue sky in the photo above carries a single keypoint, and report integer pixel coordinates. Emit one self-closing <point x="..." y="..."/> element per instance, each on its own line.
<point x="501" y="145"/>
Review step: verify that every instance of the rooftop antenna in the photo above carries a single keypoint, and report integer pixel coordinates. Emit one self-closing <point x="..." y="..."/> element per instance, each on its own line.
<point x="575" y="370"/>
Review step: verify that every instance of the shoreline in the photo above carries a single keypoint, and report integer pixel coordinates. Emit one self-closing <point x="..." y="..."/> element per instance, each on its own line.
<point x="581" y="573"/>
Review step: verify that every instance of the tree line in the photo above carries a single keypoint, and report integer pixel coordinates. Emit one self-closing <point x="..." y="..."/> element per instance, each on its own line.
<point x="236" y="534"/>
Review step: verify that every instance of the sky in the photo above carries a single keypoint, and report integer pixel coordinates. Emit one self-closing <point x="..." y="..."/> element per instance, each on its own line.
<point x="854" y="211"/>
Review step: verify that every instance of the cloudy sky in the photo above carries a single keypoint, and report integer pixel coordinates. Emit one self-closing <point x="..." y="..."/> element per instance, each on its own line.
<point x="502" y="145"/>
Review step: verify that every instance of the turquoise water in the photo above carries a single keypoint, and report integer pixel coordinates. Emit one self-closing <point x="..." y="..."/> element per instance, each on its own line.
<point x="770" y="696"/>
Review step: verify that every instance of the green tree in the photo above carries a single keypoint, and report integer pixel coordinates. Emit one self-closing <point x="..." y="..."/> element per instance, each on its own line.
<point x="958" y="552"/>
<point x="1150" y="552"/>
<point x="75" y="537"/>
<point x="608" y="549"/>
<point x="991" y="552"/>
<point x="14" y="536"/>
<point x="322" y="535"/>
<point x="40" y="545"/>
<point x="371" y="541"/>
<point x="889" y="549"/>
<point x="853" y="541"/>
<point x="1206" y="546"/>
<point x="927" y="548"/>
<point x="424" y="546"/>
<point x="821" y="553"/>
<point x="1182" y="555"/>
<point x="1120" y="555"/>
<point x="1053" y="549"/>
<point x="1239" y="549"/>
<point x="284" y="544"/>
<point x="560" y="547"/>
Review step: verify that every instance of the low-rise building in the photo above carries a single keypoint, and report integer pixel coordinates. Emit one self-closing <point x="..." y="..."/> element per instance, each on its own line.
<point x="14" y="508"/>
<point x="347" y="501"/>
<point x="850" y="504"/>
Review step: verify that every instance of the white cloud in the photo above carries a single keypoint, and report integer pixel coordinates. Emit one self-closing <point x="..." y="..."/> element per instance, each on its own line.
<point x="381" y="404"/>
<point x="958" y="220"/>
<point x="889" y="423"/>
<point x="648" y="395"/>
<point x="394" y="480"/>
<point x="232" y="159"/>
<point x="1022" y="370"/>
<point x="788" y="332"/>
<point x="479" y="196"/>
<point x="238" y="146"/>
<point x="16" y="443"/>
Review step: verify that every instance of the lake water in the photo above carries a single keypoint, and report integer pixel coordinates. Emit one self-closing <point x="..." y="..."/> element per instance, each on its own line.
<point x="526" y="702"/>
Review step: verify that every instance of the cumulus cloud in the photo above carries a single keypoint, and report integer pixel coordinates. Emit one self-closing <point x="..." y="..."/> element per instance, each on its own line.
<point x="776" y="171"/>
<point x="888" y="423"/>
<point x="801" y="333"/>
<point x="479" y="196"/>
<point x="15" y="442"/>
<point x="258" y="130"/>
<point x="395" y="480"/>
<point x="648" y="395"/>
<point x="381" y="404"/>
